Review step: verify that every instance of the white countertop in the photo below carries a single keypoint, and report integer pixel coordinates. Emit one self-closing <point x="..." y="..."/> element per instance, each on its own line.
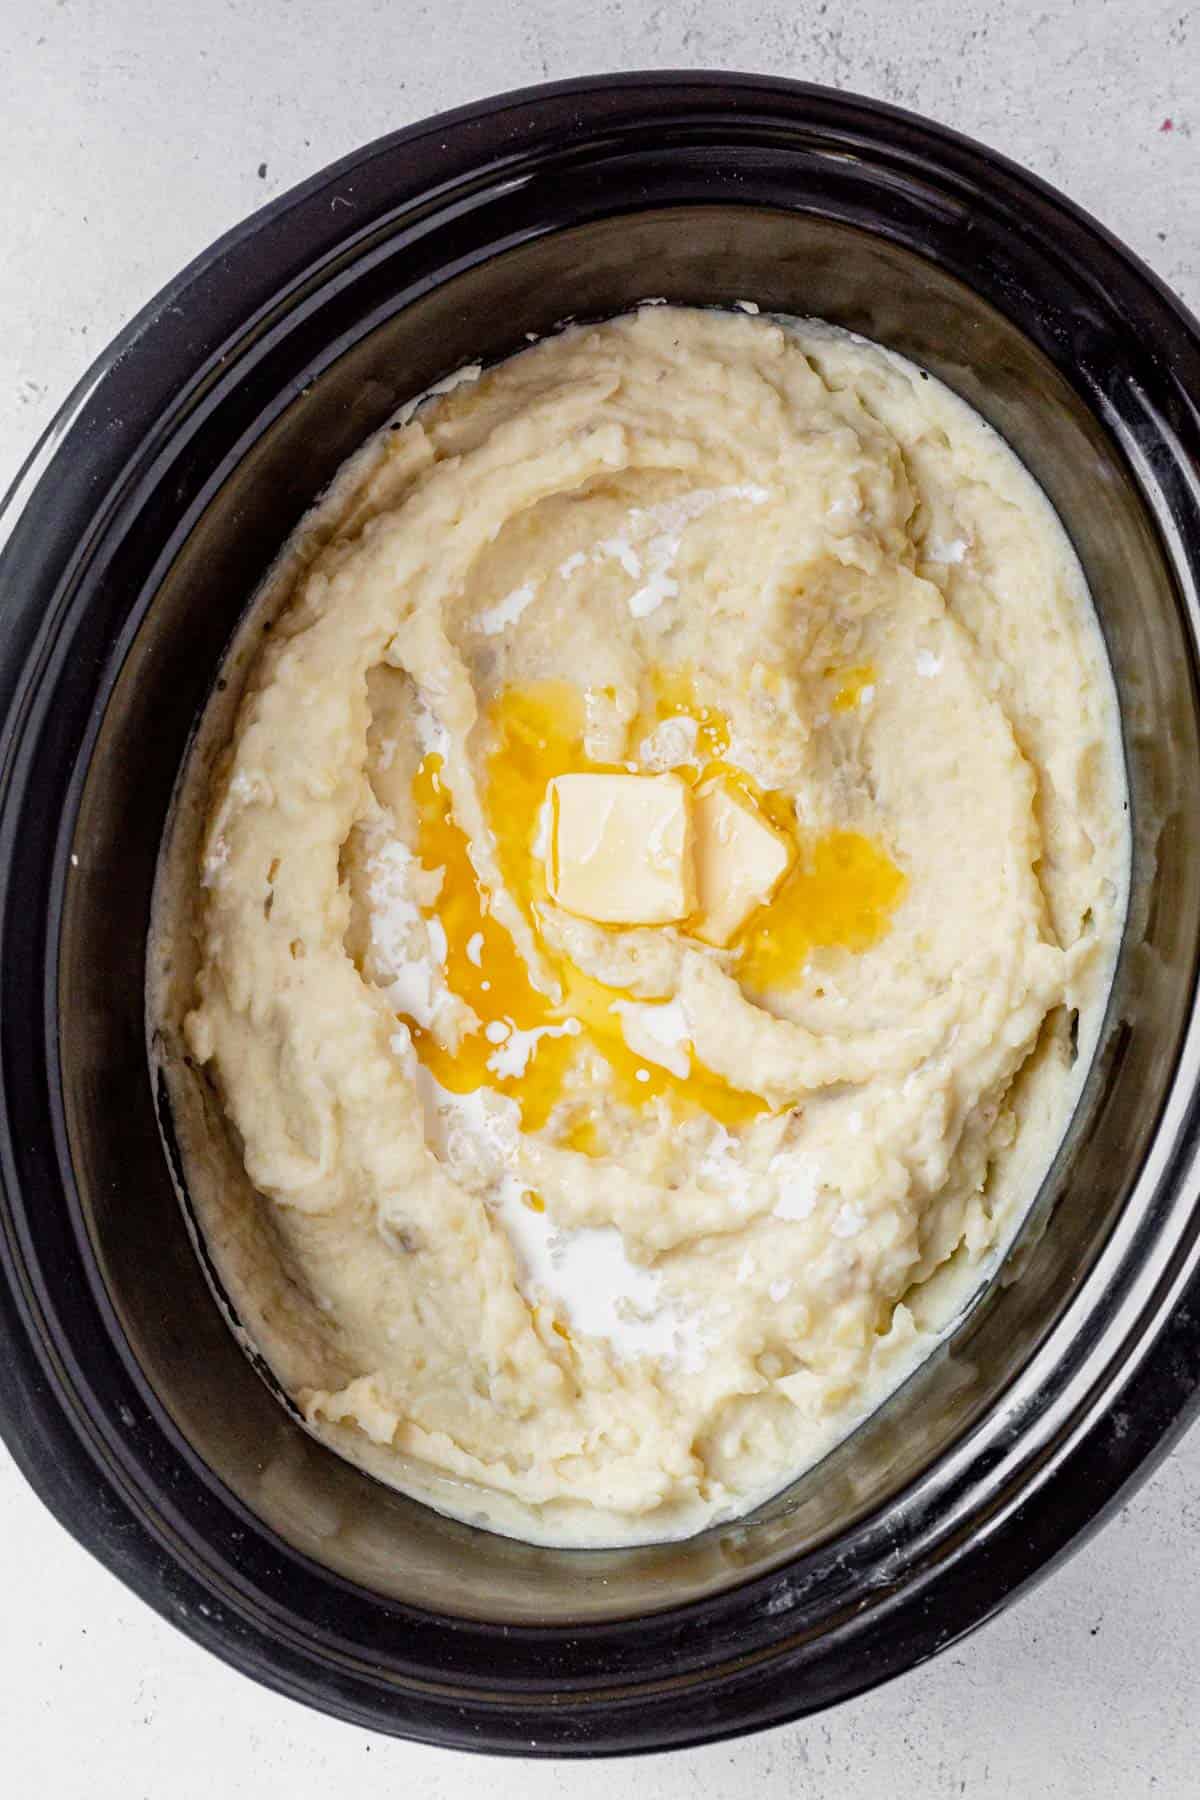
<point x="132" y="133"/>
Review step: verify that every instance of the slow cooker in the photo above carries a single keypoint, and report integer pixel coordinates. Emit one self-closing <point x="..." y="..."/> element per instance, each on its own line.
<point x="131" y="544"/>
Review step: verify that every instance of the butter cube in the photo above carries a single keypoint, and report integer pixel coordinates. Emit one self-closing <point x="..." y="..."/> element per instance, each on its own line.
<point x="621" y="848"/>
<point x="740" y="861"/>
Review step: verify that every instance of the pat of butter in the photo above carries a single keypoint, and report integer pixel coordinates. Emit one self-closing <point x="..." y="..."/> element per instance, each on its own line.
<point x="740" y="861"/>
<point x="621" y="848"/>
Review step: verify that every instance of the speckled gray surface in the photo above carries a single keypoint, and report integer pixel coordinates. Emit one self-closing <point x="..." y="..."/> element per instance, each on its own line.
<point x="132" y="132"/>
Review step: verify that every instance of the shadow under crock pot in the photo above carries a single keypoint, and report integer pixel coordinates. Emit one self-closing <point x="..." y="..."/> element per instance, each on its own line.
<point x="384" y="344"/>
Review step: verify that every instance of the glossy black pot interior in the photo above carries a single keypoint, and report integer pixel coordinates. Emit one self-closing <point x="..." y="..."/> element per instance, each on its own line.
<point x="134" y="544"/>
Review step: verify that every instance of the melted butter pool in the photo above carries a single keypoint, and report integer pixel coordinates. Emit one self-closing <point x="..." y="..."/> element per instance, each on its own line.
<point x="541" y="1050"/>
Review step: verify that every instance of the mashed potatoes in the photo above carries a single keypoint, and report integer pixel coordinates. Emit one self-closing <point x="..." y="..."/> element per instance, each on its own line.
<point x="602" y="1230"/>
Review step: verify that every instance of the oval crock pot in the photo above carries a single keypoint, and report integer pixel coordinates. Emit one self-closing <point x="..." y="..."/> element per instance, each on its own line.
<point x="134" y="537"/>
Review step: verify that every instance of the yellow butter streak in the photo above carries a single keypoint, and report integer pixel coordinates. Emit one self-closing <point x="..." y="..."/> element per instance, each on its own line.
<point x="852" y="684"/>
<point x="492" y="980"/>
